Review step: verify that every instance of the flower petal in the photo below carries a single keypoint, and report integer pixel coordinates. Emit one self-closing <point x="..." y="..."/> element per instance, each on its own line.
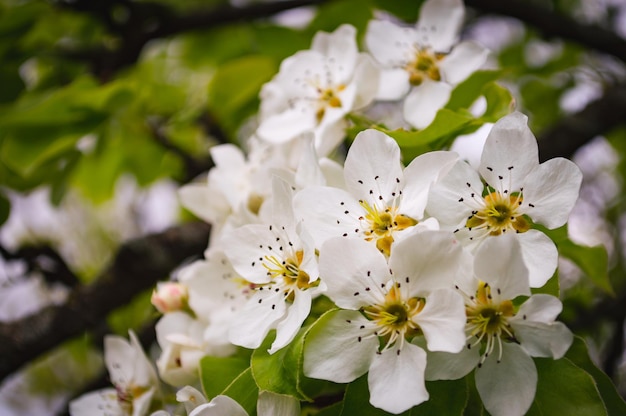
<point x="426" y="261"/>
<point x="396" y="379"/>
<point x="393" y="84"/>
<point x="443" y="321"/>
<point x="507" y="388"/>
<point x="337" y="350"/>
<point x="552" y="188"/>
<point x="257" y="317"/>
<point x="543" y="340"/>
<point x="510" y="153"/>
<point x="271" y="404"/>
<point x="220" y="406"/>
<point x="340" y="49"/>
<point x="440" y="22"/>
<point x="297" y="312"/>
<point x="423" y="102"/>
<point x="499" y="261"/>
<point x="353" y="271"/>
<point x="101" y="402"/>
<point x="373" y="168"/>
<point x="284" y="126"/>
<point x="390" y="44"/>
<point x="448" y="366"/>
<point x="419" y="176"/>
<point x="540" y="256"/>
<point x="463" y="60"/>
<point x="541" y="308"/>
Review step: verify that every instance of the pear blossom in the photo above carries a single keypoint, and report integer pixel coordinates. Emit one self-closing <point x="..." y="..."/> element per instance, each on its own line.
<point x="316" y="88"/>
<point x="279" y="261"/>
<point x="502" y="337"/>
<point x="169" y="297"/>
<point x="424" y="62"/>
<point x="131" y="372"/>
<point x="381" y="202"/>
<point x="509" y="192"/>
<point x="384" y="305"/>
<point x="197" y="405"/>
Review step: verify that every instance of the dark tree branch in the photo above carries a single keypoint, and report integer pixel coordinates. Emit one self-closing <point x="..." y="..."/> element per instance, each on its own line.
<point x="147" y="21"/>
<point x="573" y="131"/>
<point x="554" y="24"/>
<point x="138" y="265"/>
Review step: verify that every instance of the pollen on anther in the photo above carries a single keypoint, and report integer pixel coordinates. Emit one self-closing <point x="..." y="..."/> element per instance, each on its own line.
<point x="359" y="338"/>
<point x="360" y="181"/>
<point x="362" y="327"/>
<point x="356" y="293"/>
<point x="367" y="289"/>
<point x="460" y="199"/>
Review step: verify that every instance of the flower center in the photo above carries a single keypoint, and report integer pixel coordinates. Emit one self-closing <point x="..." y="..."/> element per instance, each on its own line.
<point x="126" y="395"/>
<point x="499" y="214"/>
<point x="488" y="320"/>
<point x="287" y="273"/>
<point x="328" y="97"/>
<point x="424" y="66"/>
<point x="382" y="224"/>
<point x="394" y="316"/>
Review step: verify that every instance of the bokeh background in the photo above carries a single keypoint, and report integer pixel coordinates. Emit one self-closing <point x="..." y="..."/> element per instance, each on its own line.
<point x="108" y="106"/>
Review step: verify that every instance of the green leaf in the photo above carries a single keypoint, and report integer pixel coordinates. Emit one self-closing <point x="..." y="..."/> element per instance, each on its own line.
<point x="565" y="389"/>
<point x="217" y="373"/>
<point x="500" y="102"/>
<point x="579" y="355"/>
<point x="356" y="400"/>
<point x="234" y="89"/>
<point x="464" y="94"/>
<point x="552" y="286"/>
<point x="332" y="14"/>
<point x="279" y="372"/>
<point x="5" y="208"/>
<point x="244" y="391"/>
<point x="593" y="261"/>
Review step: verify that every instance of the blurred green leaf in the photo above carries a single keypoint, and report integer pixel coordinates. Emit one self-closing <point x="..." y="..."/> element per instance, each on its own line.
<point x="565" y="389"/>
<point x="446" y="123"/>
<point x="333" y="14"/>
<point x="579" y="355"/>
<point x="244" y="391"/>
<point x="464" y="94"/>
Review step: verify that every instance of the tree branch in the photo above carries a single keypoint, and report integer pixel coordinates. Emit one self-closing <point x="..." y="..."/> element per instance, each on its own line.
<point x="148" y="21"/>
<point x="573" y="131"/>
<point x="554" y="24"/>
<point x="138" y="265"/>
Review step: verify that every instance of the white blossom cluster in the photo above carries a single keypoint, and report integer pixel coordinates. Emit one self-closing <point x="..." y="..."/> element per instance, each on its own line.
<point x="429" y="266"/>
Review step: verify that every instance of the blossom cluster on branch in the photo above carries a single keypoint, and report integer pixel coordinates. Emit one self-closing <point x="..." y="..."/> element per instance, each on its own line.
<point x="334" y="268"/>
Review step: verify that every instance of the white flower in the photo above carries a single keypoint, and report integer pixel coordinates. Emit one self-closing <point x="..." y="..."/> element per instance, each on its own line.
<point x="133" y="376"/>
<point x="316" y="88"/>
<point x="279" y="260"/>
<point x="423" y="61"/>
<point x="383" y="311"/>
<point x="382" y="202"/>
<point x="501" y="336"/>
<point x="511" y="190"/>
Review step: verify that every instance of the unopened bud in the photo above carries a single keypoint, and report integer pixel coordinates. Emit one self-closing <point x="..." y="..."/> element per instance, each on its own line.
<point x="170" y="297"/>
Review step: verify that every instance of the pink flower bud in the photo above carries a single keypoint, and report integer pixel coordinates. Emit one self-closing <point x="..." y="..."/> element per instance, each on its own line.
<point x="170" y="297"/>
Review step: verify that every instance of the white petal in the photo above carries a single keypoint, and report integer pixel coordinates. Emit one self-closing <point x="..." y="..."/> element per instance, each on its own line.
<point x="448" y="366"/>
<point x="366" y="78"/>
<point x="246" y="248"/>
<point x="255" y="320"/>
<point x="507" y="388"/>
<point x="393" y="84"/>
<point x="499" y="261"/>
<point x="228" y="156"/>
<point x="426" y="261"/>
<point x="119" y="358"/>
<point x="297" y="312"/>
<point x="282" y="127"/>
<point x="423" y="102"/>
<point x="540" y="256"/>
<point x="327" y="212"/>
<point x="396" y="379"/>
<point x="101" y="402"/>
<point x="309" y="172"/>
<point x="373" y="164"/>
<point x="543" y="340"/>
<point x="552" y="188"/>
<point x="419" y="176"/>
<point x="510" y="152"/>
<point x="450" y="199"/>
<point x="541" y="308"/>
<point x="338" y="350"/>
<point x="440" y="22"/>
<point x="190" y="397"/>
<point x="220" y="406"/>
<point x="465" y="58"/>
<point x="271" y="404"/>
<point x="443" y="321"/>
<point x="353" y="271"/>
<point x="204" y="204"/>
<point x="282" y="208"/>
<point x="391" y="45"/>
<point x="341" y="50"/>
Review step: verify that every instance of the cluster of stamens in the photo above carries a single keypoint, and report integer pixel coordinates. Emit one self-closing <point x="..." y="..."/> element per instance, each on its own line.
<point x="424" y="65"/>
<point x="381" y="224"/>
<point x="286" y="274"/>
<point x="488" y="320"/>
